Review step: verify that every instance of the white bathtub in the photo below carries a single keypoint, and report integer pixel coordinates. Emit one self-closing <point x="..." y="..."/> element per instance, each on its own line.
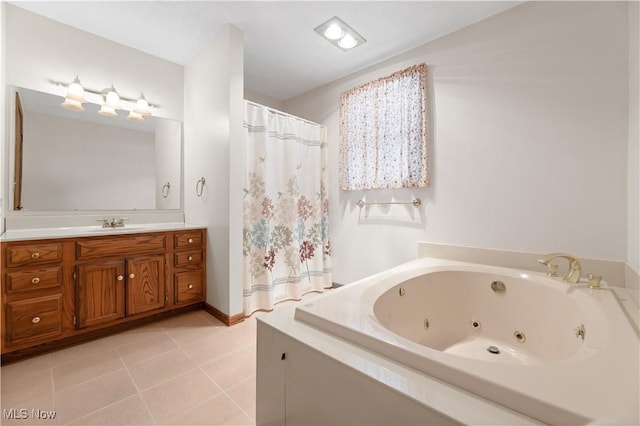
<point x="560" y="353"/>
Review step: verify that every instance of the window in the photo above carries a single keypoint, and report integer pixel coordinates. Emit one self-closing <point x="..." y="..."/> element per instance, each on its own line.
<point x="383" y="132"/>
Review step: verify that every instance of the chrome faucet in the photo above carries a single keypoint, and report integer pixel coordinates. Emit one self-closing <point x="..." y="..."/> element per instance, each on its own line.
<point x="113" y="222"/>
<point x="574" y="266"/>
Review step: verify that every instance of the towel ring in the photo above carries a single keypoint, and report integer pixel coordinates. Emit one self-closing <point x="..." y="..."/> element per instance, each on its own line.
<point x="165" y="190"/>
<point x="200" y="186"/>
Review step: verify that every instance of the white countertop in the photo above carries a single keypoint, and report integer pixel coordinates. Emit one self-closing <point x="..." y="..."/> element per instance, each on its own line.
<point x="92" y="231"/>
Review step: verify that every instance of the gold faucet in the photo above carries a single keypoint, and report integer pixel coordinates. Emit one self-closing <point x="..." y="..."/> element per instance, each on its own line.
<point x="574" y="266"/>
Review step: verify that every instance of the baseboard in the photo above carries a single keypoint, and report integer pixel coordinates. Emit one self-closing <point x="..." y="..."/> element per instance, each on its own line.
<point x="226" y="319"/>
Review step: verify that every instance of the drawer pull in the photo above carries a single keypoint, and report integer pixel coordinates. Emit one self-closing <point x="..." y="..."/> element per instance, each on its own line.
<point x="190" y="258"/>
<point x="120" y="278"/>
<point x="35" y="255"/>
<point x="36" y="280"/>
<point x="35" y="320"/>
<point x="132" y="276"/>
<point x="190" y="286"/>
<point x="190" y="240"/>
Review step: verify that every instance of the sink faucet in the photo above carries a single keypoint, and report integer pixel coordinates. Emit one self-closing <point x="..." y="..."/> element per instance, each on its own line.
<point x="574" y="266"/>
<point x="113" y="222"/>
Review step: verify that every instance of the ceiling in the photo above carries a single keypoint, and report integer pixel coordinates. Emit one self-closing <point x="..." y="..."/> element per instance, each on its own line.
<point x="283" y="56"/>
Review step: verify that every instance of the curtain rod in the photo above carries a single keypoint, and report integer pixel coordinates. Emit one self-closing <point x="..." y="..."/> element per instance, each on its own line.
<point x="286" y="114"/>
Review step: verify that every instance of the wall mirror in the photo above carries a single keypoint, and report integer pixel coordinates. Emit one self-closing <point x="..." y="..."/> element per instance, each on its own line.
<point x="66" y="160"/>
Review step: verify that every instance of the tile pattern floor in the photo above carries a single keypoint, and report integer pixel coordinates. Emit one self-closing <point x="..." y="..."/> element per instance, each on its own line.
<point x="189" y="369"/>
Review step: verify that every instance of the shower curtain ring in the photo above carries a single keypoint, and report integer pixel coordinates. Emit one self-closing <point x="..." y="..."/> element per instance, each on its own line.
<point x="200" y="186"/>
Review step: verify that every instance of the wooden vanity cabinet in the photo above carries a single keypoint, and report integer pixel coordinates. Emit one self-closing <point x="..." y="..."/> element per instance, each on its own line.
<point x="61" y="289"/>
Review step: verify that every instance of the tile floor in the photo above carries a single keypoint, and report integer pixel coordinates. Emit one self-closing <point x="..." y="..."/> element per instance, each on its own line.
<point x="185" y="370"/>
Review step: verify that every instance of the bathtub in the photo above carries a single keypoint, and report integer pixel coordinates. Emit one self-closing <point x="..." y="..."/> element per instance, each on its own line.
<point x="557" y="352"/>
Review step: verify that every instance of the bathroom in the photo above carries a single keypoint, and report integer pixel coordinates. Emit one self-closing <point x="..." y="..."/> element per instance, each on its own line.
<point x="533" y="126"/>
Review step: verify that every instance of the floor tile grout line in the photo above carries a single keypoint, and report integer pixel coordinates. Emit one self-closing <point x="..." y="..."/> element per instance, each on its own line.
<point x="152" y="356"/>
<point x="251" y="417"/>
<point x="135" y="385"/>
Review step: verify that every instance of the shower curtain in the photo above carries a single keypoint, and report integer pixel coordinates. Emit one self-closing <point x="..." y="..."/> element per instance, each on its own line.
<point x="286" y="248"/>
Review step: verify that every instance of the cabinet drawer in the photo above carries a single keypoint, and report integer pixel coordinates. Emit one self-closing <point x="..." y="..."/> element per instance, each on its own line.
<point x="185" y="240"/>
<point x="34" y="254"/>
<point x="33" y="319"/>
<point x="118" y="246"/>
<point x="188" y="287"/>
<point x="34" y="279"/>
<point x="187" y="259"/>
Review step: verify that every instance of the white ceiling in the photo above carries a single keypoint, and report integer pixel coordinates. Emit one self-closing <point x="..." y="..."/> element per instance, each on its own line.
<point x="283" y="56"/>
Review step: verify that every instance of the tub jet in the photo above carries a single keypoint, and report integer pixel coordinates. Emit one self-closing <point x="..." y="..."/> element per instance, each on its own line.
<point x="493" y="350"/>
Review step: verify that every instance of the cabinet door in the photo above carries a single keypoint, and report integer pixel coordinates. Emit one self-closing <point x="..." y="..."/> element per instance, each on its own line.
<point x="100" y="293"/>
<point x="145" y="284"/>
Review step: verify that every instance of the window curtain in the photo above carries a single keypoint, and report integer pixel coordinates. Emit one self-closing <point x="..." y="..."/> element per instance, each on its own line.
<point x="383" y="132"/>
<point x="286" y="248"/>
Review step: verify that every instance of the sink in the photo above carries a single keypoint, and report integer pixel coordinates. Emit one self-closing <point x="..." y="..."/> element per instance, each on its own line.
<point x="109" y="230"/>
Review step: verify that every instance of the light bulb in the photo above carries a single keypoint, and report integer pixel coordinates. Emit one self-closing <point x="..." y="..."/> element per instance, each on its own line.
<point x="347" y="42"/>
<point x="72" y="105"/>
<point x="142" y="106"/>
<point x="75" y="91"/>
<point x="134" y="116"/>
<point x="112" y="99"/>
<point x="333" y="32"/>
<point x="107" y="111"/>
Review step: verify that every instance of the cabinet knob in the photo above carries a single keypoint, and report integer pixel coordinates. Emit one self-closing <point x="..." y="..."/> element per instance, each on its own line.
<point x="35" y="255"/>
<point x="190" y="258"/>
<point x="36" y="280"/>
<point x="190" y="286"/>
<point x="35" y="320"/>
<point x="132" y="276"/>
<point x="120" y="278"/>
<point x="190" y="240"/>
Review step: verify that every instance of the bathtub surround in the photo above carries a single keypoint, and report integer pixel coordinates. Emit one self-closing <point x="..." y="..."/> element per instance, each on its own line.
<point x="285" y="245"/>
<point x="530" y="141"/>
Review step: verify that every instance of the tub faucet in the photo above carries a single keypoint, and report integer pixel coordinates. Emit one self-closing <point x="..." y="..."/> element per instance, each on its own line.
<point x="574" y="266"/>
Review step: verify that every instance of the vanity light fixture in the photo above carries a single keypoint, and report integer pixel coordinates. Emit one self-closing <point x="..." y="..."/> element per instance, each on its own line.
<point x="340" y="34"/>
<point x="74" y="98"/>
<point x="110" y="103"/>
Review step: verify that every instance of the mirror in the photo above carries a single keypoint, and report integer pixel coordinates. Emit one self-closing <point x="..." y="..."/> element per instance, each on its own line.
<point x="68" y="160"/>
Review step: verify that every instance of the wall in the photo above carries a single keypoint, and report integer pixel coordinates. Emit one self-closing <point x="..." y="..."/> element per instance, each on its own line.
<point x="39" y="51"/>
<point x="528" y="141"/>
<point x="213" y="121"/>
<point x="104" y="157"/>
<point x="634" y="138"/>
<point x="168" y="170"/>
<point x="261" y="99"/>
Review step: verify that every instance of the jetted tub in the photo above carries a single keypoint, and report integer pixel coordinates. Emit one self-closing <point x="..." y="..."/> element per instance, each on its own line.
<point x="561" y="353"/>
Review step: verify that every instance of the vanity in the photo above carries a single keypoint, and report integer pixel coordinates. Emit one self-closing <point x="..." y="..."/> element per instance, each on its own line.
<point x="64" y="289"/>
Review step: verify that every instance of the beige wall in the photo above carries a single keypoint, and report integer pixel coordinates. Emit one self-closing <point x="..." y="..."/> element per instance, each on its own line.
<point x="528" y="141"/>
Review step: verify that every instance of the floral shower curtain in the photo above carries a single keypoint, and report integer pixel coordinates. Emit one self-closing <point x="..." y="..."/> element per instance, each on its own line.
<point x="286" y="249"/>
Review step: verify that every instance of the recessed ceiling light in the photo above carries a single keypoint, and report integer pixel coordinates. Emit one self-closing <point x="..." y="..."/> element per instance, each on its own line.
<point x="340" y="34"/>
<point x="347" y="42"/>
<point x="334" y="32"/>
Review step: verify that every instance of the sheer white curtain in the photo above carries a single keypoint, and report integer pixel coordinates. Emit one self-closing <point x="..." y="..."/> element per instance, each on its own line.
<point x="286" y="245"/>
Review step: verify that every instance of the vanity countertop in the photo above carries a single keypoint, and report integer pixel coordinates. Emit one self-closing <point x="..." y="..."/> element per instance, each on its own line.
<point x="92" y="231"/>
